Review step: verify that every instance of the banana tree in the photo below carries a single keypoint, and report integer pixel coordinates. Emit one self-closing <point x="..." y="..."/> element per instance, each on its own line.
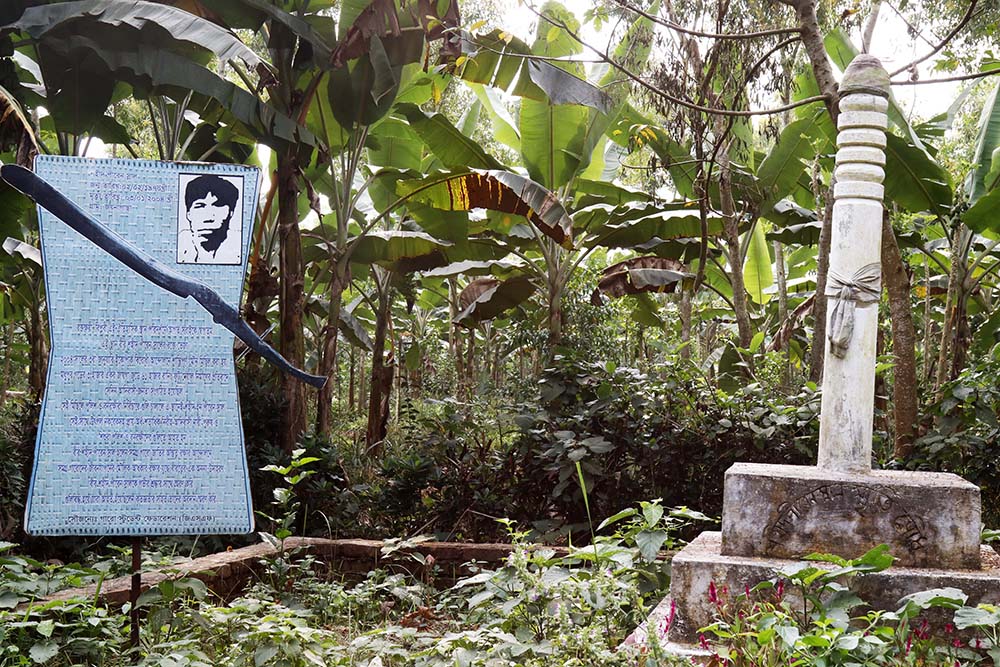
<point x="560" y="136"/>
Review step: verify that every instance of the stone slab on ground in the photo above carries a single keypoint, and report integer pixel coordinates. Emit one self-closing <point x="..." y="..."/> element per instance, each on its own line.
<point x="701" y="563"/>
<point x="783" y="511"/>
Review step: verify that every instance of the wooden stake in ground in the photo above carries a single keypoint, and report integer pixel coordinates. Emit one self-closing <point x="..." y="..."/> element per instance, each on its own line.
<point x="134" y="595"/>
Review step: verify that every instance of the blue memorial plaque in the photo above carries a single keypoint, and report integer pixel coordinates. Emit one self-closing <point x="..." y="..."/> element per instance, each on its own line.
<point x="140" y="430"/>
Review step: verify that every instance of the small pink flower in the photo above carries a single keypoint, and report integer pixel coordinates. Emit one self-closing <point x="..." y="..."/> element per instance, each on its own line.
<point x="779" y="591"/>
<point x="949" y="628"/>
<point x="713" y="595"/>
<point x="703" y="641"/>
<point x="668" y="622"/>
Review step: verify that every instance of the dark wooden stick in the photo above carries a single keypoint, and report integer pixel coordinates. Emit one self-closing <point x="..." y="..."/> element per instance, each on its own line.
<point x="136" y="585"/>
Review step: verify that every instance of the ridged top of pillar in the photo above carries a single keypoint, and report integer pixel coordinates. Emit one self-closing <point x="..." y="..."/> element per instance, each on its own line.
<point x="865" y="74"/>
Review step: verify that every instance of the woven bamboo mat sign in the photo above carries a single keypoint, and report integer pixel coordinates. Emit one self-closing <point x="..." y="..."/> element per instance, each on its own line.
<point x="140" y="430"/>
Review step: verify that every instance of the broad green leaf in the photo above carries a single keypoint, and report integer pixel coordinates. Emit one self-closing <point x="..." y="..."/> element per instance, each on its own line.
<point x="447" y="142"/>
<point x="757" y="274"/>
<point x="504" y="126"/>
<point x="554" y="136"/>
<point x="362" y="92"/>
<point x="470" y="119"/>
<point x="986" y="616"/>
<point x="589" y="192"/>
<point x="394" y="246"/>
<point x="786" y="212"/>
<point x="630" y="224"/>
<point x="499" y="60"/>
<point x="361" y="21"/>
<point x="182" y="26"/>
<point x="639" y="275"/>
<point x="984" y="215"/>
<point x="787" y="160"/>
<point x="913" y="179"/>
<point x="396" y="145"/>
<point x="476" y="268"/>
<point x="952" y="598"/>
<point x="803" y="233"/>
<point x="645" y="311"/>
<point x="42" y="652"/>
<point x="488" y="298"/>
<point x="553" y="141"/>
<point x="649" y="543"/>
<point x="146" y="67"/>
<point x="497" y="191"/>
<point x="681" y="165"/>
<point x="352" y="329"/>
<point x="984" y="178"/>
<point x="251" y="14"/>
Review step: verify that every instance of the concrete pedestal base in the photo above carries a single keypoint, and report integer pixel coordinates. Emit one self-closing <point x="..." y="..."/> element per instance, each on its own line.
<point x="702" y="563"/>
<point x="927" y="519"/>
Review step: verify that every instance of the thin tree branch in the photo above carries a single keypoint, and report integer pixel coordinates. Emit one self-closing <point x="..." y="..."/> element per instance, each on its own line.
<point x="710" y="35"/>
<point x="667" y="96"/>
<point x="909" y="25"/>
<point x="940" y="45"/>
<point x="964" y="77"/>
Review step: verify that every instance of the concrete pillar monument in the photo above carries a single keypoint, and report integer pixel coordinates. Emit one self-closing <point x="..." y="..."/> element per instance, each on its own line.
<point x="775" y="514"/>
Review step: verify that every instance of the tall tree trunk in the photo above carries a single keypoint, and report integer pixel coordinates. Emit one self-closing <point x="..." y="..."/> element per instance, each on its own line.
<point x="731" y="235"/>
<point x="928" y="367"/>
<point x="812" y="41"/>
<point x="382" y="374"/>
<point x="350" y="383"/>
<point x="291" y="300"/>
<point x="555" y="319"/>
<point x="685" y="314"/>
<point x="470" y="361"/>
<point x="904" y="342"/>
<point x="953" y="303"/>
<point x="362" y="386"/>
<point x="327" y="362"/>
<point x="38" y="357"/>
<point x="782" y="279"/>
<point x="7" y="353"/>
<point x="818" y="350"/>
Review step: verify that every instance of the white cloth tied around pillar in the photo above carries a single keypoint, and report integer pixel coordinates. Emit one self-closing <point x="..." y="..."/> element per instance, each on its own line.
<point x="864" y="287"/>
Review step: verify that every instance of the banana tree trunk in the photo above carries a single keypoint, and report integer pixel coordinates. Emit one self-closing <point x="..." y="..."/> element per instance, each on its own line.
<point x="731" y="235"/>
<point x="381" y="378"/>
<point x="37" y="353"/>
<point x="685" y="315"/>
<point x="7" y="350"/>
<point x="904" y="341"/>
<point x="953" y="311"/>
<point x="455" y="337"/>
<point x="812" y="41"/>
<point x="556" y="277"/>
<point x="327" y="363"/>
<point x="819" y="302"/>
<point x="291" y="299"/>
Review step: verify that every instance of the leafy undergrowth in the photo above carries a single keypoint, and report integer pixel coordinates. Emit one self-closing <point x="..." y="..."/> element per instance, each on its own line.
<point x="807" y="617"/>
<point x="538" y="609"/>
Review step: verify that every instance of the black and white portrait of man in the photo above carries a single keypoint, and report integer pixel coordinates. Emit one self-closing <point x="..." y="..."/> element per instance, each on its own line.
<point x="210" y="219"/>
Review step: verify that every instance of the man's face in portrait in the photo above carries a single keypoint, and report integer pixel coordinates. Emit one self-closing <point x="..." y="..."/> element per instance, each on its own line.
<point x="207" y="216"/>
<point x="208" y="222"/>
